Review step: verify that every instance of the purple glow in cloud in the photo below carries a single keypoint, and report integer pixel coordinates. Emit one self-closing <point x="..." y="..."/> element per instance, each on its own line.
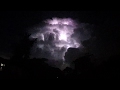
<point x="56" y="37"/>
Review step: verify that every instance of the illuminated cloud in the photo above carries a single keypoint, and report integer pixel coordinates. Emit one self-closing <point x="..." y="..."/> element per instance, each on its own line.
<point x="54" y="38"/>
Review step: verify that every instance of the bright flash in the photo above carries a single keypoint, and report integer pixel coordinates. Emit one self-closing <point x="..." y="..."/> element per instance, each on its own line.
<point x="63" y="36"/>
<point x="56" y="37"/>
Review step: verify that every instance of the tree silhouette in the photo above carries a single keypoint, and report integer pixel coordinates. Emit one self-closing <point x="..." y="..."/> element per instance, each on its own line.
<point x="22" y="49"/>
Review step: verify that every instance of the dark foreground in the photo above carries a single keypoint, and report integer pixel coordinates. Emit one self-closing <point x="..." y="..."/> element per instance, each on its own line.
<point x="38" y="69"/>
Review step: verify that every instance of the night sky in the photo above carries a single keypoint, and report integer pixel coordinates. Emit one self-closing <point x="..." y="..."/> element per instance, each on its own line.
<point x="105" y="36"/>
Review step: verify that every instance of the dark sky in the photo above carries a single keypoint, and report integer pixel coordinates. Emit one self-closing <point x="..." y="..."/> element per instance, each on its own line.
<point x="106" y="30"/>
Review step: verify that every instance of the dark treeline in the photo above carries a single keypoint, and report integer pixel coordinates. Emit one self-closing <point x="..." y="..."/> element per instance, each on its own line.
<point x="38" y="69"/>
<point x="21" y="67"/>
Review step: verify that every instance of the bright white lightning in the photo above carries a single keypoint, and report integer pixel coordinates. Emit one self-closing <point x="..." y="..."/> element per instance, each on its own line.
<point x="56" y="37"/>
<point x="63" y="36"/>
